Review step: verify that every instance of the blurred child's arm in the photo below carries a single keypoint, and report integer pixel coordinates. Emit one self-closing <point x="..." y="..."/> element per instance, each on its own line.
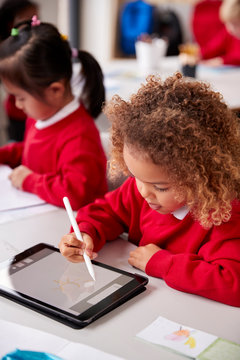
<point x="73" y="249"/>
<point x="216" y="46"/>
<point x="11" y="154"/>
<point x="214" y="62"/>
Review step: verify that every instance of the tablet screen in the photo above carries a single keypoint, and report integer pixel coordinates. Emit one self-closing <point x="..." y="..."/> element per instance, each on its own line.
<point x="48" y="277"/>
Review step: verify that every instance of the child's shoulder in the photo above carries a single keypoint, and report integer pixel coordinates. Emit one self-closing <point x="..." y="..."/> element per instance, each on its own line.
<point x="236" y="207"/>
<point x="233" y="224"/>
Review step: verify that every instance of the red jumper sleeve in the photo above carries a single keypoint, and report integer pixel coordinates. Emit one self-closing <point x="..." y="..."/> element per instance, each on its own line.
<point x="11" y="154"/>
<point x="107" y="218"/>
<point x="212" y="272"/>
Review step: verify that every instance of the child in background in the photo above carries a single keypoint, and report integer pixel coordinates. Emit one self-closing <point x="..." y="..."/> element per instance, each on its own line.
<point x="230" y="15"/>
<point x="215" y="29"/>
<point x="13" y="12"/>
<point x="61" y="154"/>
<point x="180" y="144"/>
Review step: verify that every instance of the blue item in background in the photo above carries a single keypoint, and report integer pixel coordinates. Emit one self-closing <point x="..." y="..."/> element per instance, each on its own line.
<point x="137" y="18"/>
<point x="29" y="355"/>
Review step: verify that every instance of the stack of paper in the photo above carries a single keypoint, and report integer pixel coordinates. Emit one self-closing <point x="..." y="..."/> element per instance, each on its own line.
<point x="15" y="336"/>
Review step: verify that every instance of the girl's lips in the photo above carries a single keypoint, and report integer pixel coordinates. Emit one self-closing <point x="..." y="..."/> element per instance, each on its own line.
<point x="154" y="206"/>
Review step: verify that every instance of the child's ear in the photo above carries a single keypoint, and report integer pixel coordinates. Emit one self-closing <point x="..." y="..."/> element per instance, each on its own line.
<point x="55" y="91"/>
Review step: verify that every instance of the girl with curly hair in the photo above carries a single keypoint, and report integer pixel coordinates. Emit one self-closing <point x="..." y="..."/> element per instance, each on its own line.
<point x="180" y="145"/>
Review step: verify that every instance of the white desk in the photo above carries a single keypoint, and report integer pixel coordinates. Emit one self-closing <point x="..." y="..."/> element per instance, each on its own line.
<point x="123" y="77"/>
<point x="115" y="332"/>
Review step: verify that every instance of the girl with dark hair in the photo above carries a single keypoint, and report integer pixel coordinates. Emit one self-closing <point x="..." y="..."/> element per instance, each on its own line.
<point x="61" y="154"/>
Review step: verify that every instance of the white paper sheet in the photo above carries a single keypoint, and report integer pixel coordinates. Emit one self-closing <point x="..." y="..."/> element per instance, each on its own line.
<point x="23" y="338"/>
<point x="11" y="198"/>
<point x="7" y="250"/>
<point x="13" y="215"/>
<point x="183" y="339"/>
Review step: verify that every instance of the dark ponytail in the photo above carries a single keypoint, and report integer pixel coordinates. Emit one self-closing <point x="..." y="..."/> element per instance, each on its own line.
<point x="93" y="94"/>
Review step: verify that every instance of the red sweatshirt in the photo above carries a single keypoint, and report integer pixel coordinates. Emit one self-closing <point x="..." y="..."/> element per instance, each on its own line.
<point x="193" y="259"/>
<point x="211" y="34"/>
<point x="67" y="159"/>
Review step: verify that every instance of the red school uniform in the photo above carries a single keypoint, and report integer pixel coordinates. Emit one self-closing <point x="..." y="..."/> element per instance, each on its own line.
<point x="67" y="159"/>
<point x="192" y="259"/>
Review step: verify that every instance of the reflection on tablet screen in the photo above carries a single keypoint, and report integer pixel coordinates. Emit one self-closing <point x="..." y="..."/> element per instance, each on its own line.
<point x="49" y="277"/>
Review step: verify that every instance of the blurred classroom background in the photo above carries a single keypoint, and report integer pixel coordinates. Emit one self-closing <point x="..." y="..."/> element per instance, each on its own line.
<point x="95" y="26"/>
<point x="107" y="29"/>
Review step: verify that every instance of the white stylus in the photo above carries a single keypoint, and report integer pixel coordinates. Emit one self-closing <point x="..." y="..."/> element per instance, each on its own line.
<point x="78" y="235"/>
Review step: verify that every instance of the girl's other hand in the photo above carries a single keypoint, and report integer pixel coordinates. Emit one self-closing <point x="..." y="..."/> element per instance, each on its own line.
<point x="72" y="248"/>
<point x="141" y="255"/>
<point x="214" y="62"/>
<point x="18" y="175"/>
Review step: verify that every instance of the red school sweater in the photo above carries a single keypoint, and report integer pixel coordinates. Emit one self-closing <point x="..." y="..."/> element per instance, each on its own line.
<point x="67" y="159"/>
<point x="192" y="259"/>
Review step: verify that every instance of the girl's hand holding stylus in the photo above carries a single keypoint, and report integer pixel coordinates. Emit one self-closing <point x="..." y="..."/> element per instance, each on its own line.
<point x="73" y="249"/>
<point x="18" y="175"/>
<point x="141" y="255"/>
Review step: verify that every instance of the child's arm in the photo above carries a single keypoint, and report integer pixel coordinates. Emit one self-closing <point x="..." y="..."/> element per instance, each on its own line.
<point x="216" y="46"/>
<point x="213" y="271"/>
<point x="108" y="217"/>
<point x="78" y="171"/>
<point x="11" y="154"/>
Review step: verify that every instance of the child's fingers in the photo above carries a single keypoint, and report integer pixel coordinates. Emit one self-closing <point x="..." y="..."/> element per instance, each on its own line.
<point x="71" y="240"/>
<point x="89" y="245"/>
<point x="70" y="245"/>
<point x="71" y="251"/>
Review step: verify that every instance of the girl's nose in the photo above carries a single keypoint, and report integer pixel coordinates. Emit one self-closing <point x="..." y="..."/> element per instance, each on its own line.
<point x="144" y="189"/>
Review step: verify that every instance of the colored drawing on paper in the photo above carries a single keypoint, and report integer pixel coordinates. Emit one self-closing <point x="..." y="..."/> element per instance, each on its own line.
<point x="182" y="335"/>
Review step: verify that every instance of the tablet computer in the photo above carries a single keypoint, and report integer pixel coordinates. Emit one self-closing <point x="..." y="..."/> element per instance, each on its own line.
<point x="43" y="280"/>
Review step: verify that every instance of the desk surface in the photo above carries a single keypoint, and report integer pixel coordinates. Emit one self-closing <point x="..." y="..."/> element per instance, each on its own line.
<point x="124" y="77"/>
<point x="115" y="332"/>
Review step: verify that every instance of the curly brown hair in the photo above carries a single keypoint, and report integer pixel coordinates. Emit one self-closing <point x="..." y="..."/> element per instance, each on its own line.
<point x="185" y="127"/>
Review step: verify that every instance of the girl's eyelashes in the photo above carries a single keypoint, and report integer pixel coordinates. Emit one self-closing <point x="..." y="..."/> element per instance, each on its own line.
<point x="160" y="189"/>
<point x="155" y="186"/>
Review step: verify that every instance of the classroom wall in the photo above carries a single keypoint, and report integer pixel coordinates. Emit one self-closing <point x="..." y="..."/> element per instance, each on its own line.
<point x="99" y="22"/>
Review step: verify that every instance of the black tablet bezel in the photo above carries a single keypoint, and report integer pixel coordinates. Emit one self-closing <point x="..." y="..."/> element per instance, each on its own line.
<point x="136" y="286"/>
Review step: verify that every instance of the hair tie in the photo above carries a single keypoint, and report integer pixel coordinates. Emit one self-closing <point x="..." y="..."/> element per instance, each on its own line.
<point x="35" y="21"/>
<point x="74" y="53"/>
<point x="14" y="32"/>
<point x="64" y="37"/>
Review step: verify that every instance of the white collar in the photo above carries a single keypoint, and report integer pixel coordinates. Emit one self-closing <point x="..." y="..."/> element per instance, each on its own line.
<point x="60" y="115"/>
<point x="181" y="212"/>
